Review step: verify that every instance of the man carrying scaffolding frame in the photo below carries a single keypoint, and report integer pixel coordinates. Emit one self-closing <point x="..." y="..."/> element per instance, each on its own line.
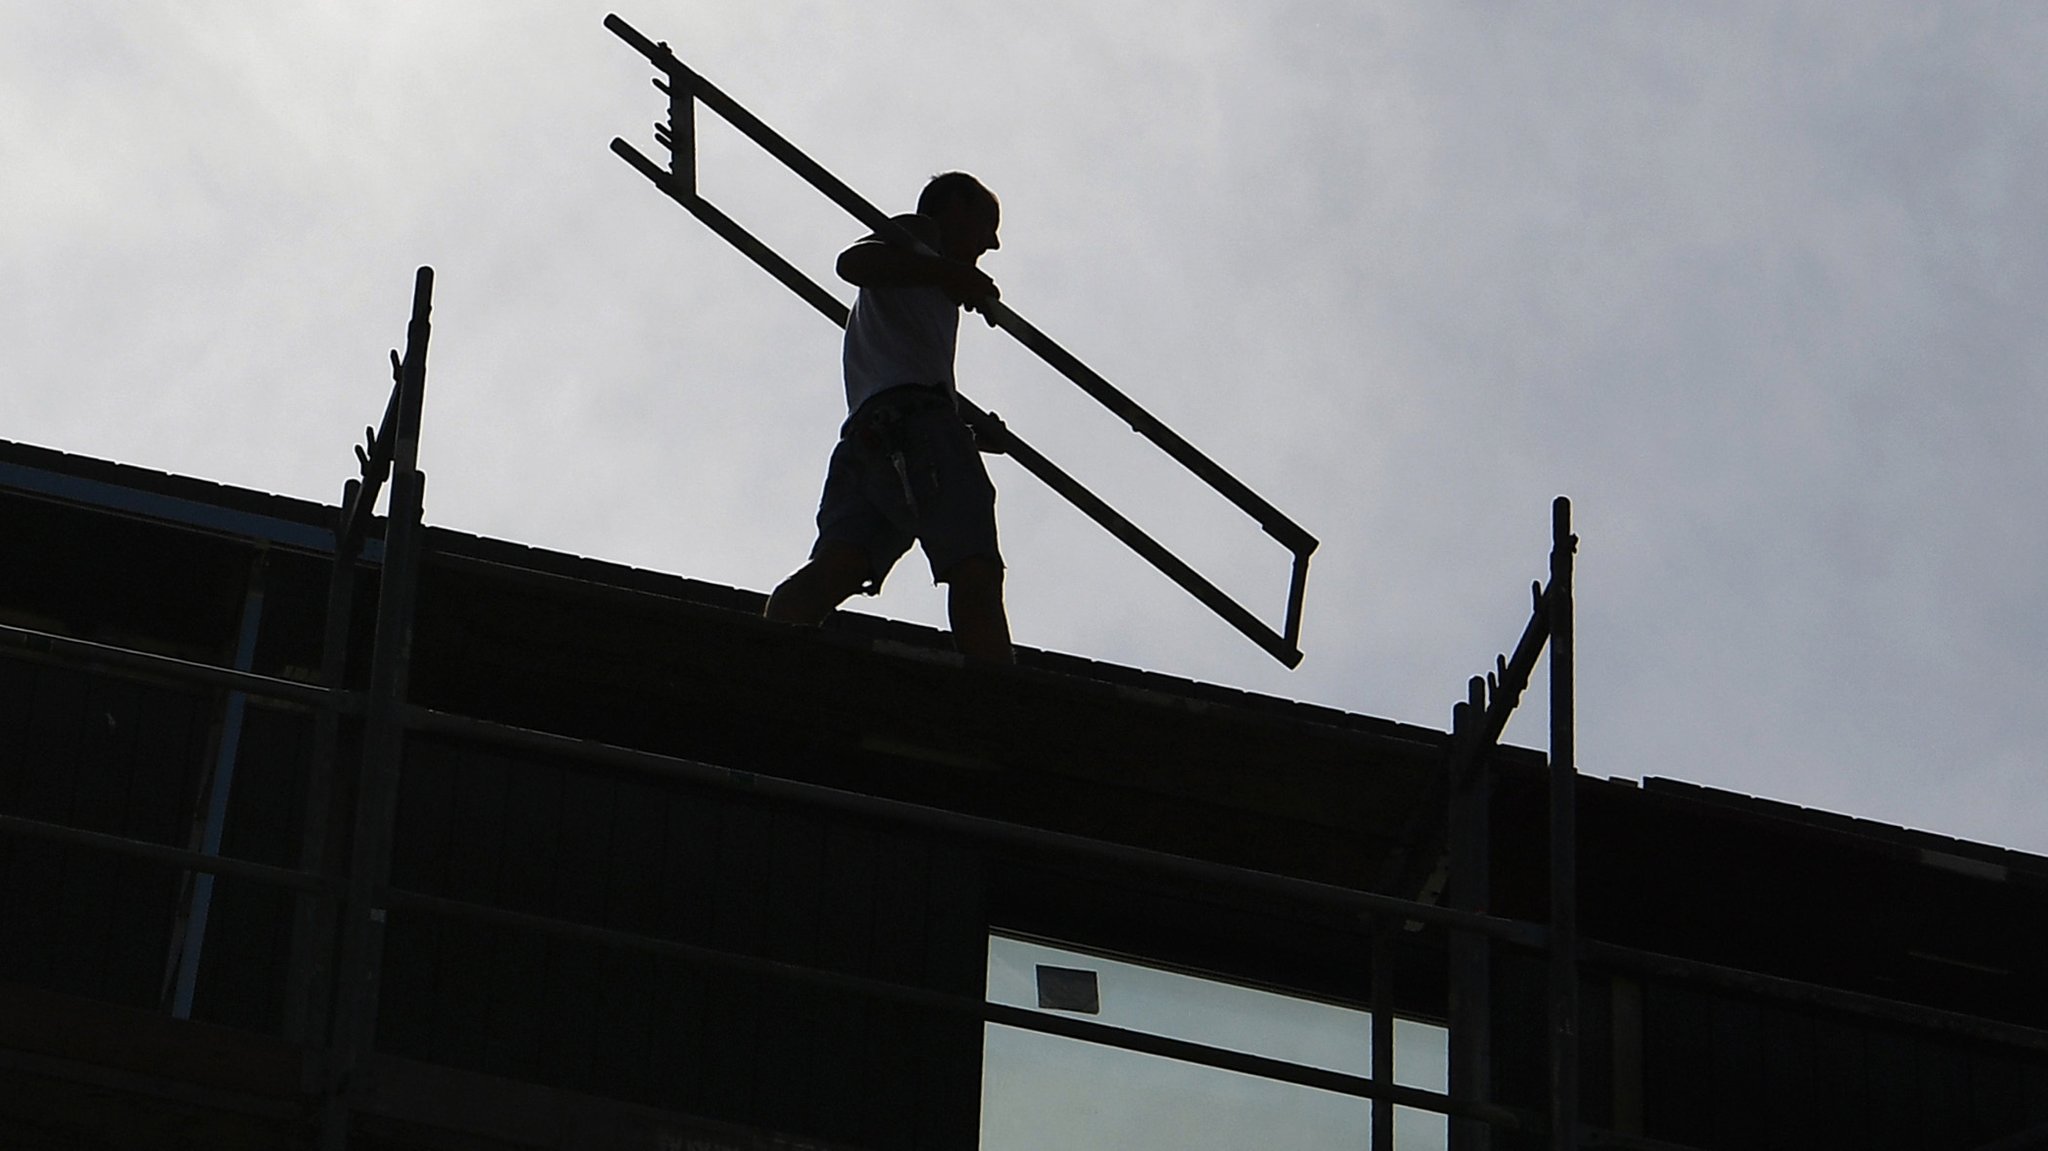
<point x="687" y="90"/>
<point x="907" y="467"/>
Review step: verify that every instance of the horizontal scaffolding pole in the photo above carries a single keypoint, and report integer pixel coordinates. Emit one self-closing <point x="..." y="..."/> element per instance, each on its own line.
<point x="67" y="650"/>
<point x="1795" y="991"/>
<point x="164" y="853"/>
<point x="986" y="829"/>
<point x="976" y="827"/>
<point x="1594" y="1137"/>
<point x="1511" y="931"/>
<point x="161" y="1083"/>
<point x="1005" y="1015"/>
<point x="22" y="642"/>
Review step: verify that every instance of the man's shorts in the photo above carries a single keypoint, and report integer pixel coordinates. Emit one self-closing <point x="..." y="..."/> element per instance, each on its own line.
<point x="905" y="469"/>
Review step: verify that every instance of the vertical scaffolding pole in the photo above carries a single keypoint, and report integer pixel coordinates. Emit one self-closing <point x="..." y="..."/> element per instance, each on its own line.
<point x="1476" y="724"/>
<point x="308" y="984"/>
<point x="1564" y="864"/>
<point x="363" y="914"/>
<point x="1470" y="889"/>
<point x="1383" y="1028"/>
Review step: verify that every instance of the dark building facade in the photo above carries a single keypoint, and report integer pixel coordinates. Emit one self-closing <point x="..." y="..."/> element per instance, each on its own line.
<point x="661" y="874"/>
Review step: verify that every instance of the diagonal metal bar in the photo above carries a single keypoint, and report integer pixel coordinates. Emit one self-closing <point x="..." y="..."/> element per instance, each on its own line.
<point x="686" y="86"/>
<point x="732" y="233"/>
<point x="1172" y="566"/>
<point x="375" y="460"/>
<point x="1290" y="534"/>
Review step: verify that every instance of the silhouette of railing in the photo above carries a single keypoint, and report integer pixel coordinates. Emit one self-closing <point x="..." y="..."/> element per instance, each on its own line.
<point x="685" y="89"/>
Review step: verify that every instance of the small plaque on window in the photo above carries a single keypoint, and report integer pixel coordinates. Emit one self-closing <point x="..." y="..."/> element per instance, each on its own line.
<point x="1068" y="989"/>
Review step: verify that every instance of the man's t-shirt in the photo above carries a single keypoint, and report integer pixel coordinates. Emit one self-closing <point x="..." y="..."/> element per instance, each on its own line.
<point x="898" y="336"/>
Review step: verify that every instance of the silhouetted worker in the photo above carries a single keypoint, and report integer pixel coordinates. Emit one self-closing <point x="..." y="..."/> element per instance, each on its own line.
<point x="906" y="466"/>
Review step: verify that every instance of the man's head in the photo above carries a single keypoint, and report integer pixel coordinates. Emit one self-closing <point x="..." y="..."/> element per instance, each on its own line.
<point x="967" y="213"/>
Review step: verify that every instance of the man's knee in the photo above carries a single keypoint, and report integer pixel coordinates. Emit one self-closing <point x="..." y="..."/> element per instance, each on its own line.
<point x="837" y="571"/>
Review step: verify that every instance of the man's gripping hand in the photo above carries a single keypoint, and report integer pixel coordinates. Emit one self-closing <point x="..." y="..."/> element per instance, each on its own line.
<point x="968" y="285"/>
<point x="991" y="436"/>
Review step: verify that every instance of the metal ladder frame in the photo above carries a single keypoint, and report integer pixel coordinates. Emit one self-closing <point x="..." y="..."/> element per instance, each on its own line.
<point x="685" y="89"/>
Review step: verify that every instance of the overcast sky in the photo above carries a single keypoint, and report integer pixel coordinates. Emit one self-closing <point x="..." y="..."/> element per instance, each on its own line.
<point x="1757" y="285"/>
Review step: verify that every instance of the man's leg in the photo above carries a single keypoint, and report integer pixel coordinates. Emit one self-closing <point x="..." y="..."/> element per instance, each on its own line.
<point x="974" y="604"/>
<point x="806" y="598"/>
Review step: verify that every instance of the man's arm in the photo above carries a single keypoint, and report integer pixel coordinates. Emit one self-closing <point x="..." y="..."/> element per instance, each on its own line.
<point x="876" y="263"/>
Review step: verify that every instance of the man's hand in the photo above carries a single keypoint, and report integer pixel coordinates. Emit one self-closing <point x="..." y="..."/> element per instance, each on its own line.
<point x="875" y="263"/>
<point x="968" y="285"/>
<point x="991" y="437"/>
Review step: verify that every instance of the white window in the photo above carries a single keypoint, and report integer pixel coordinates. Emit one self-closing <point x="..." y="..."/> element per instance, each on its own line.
<point x="1048" y="1093"/>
